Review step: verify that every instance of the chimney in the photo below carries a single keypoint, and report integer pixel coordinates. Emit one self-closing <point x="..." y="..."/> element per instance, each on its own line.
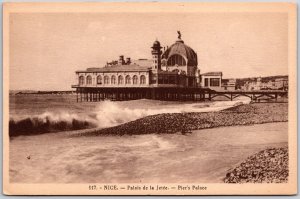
<point x="121" y="60"/>
<point x="128" y="62"/>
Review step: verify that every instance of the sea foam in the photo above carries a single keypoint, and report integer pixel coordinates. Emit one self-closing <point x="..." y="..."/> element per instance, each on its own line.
<point x="106" y="114"/>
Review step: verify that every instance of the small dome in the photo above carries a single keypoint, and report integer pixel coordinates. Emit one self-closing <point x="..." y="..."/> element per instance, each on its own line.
<point x="156" y="43"/>
<point x="180" y="48"/>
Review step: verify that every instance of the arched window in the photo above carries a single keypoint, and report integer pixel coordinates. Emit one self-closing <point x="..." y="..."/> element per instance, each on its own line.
<point x="135" y="79"/>
<point x="113" y="79"/>
<point x="106" y="79"/>
<point x="99" y="79"/>
<point x="163" y="62"/>
<point x="175" y="70"/>
<point x="176" y="59"/>
<point x="182" y="73"/>
<point x="88" y="80"/>
<point x="120" y="80"/>
<point x="81" y="80"/>
<point x="127" y="79"/>
<point x="142" y="79"/>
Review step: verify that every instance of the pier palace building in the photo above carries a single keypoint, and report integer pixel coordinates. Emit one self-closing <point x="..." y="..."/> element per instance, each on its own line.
<point x="171" y="74"/>
<point x="171" y="70"/>
<point x="175" y="66"/>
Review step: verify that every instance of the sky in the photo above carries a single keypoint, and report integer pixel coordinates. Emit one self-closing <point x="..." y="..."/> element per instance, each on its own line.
<point x="47" y="48"/>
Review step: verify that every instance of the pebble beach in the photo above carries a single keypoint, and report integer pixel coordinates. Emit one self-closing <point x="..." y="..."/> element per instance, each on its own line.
<point x="267" y="166"/>
<point x="246" y="114"/>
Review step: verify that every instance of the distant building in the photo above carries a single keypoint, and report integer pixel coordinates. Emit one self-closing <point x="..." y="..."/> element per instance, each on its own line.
<point x="253" y="84"/>
<point x="282" y="83"/>
<point x="229" y="84"/>
<point x="212" y="80"/>
<point x="266" y="83"/>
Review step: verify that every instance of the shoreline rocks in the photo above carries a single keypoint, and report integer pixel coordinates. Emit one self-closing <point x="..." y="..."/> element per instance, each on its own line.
<point x="248" y="114"/>
<point x="267" y="166"/>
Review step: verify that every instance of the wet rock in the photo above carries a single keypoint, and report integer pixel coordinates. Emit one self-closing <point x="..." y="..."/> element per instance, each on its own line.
<point x="186" y="122"/>
<point x="267" y="166"/>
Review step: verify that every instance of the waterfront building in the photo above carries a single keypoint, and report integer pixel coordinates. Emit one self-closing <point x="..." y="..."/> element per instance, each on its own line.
<point x="212" y="80"/>
<point x="281" y="83"/>
<point x="253" y="84"/>
<point x="171" y="74"/>
<point x="267" y="83"/>
<point x="176" y="66"/>
<point x="229" y="84"/>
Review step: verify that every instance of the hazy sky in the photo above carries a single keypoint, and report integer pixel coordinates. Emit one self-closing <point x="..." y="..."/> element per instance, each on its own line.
<point x="46" y="49"/>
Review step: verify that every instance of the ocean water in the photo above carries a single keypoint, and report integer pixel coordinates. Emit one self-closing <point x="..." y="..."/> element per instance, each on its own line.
<point x="52" y="113"/>
<point x="203" y="156"/>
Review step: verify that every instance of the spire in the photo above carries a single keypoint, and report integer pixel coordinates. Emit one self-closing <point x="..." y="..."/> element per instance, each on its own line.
<point x="179" y="37"/>
<point x="179" y="34"/>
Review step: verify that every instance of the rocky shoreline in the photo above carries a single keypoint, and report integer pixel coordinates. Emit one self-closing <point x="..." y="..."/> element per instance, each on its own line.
<point x="247" y="114"/>
<point x="267" y="166"/>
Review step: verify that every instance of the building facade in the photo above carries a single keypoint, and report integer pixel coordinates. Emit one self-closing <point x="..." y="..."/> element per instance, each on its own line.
<point x="266" y="83"/>
<point x="212" y="80"/>
<point x="174" y="66"/>
<point x="229" y="84"/>
<point x="121" y="76"/>
<point x="171" y="74"/>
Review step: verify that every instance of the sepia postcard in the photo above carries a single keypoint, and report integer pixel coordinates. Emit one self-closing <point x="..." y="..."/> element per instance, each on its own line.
<point x="149" y="98"/>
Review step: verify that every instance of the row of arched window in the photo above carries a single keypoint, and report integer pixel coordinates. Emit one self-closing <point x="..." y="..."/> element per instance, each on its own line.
<point x="113" y="79"/>
<point x="176" y="59"/>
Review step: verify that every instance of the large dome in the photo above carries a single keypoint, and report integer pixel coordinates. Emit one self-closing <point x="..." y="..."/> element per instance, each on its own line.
<point x="181" y="49"/>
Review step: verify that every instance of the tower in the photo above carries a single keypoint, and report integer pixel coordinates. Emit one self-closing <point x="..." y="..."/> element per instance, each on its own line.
<point x="156" y="56"/>
<point x="121" y="60"/>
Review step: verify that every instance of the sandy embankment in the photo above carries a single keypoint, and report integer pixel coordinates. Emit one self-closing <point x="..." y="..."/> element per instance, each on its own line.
<point x="247" y="114"/>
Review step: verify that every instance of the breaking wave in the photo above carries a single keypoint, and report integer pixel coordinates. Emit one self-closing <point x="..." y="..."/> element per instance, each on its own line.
<point x="106" y="114"/>
<point x="49" y="122"/>
<point x="111" y="114"/>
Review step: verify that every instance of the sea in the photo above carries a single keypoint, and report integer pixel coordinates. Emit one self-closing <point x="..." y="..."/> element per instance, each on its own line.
<point x="204" y="156"/>
<point x="53" y="113"/>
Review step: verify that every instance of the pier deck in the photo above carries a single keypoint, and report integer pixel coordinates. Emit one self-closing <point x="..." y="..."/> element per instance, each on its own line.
<point x="94" y="94"/>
